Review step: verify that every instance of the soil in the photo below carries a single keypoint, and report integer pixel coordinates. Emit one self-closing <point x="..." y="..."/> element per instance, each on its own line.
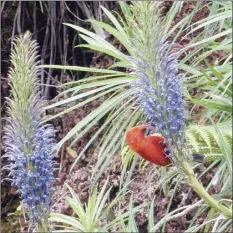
<point x="142" y="188"/>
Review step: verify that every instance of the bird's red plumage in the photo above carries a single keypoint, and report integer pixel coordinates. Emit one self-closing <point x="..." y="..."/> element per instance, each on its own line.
<point x="151" y="148"/>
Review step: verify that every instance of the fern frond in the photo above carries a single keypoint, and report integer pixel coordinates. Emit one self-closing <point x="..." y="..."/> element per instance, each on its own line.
<point x="192" y="140"/>
<point x="204" y="139"/>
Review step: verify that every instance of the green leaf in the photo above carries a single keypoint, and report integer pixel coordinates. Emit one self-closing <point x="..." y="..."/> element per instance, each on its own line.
<point x="87" y="93"/>
<point x="212" y="38"/>
<point x="80" y="68"/>
<point x="215" y="104"/>
<point x="97" y="113"/>
<point x="82" y="103"/>
<point x="103" y="126"/>
<point x="121" y="36"/>
<point x="121" y="31"/>
<point x="92" y="78"/>
<point x="56" y="217"/>
<point x="103" y="50"/>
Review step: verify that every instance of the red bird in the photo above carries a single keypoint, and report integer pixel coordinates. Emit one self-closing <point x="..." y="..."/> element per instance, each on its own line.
<point x="151" y="148"/>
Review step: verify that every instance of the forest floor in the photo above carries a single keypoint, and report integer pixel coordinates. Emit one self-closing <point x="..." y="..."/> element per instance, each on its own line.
<point x="79" y="179"/>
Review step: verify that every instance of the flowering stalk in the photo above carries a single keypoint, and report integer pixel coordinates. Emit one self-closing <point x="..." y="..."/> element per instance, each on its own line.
<point x="29" y="144"/>
<point x="204" y="194"/>
<point x="158" y="90"/>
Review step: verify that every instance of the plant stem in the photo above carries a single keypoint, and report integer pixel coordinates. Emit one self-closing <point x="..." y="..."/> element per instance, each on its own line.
<point x="209" y="217"/>
<point x="42" y="227"/>
<point x="201" y="191"/>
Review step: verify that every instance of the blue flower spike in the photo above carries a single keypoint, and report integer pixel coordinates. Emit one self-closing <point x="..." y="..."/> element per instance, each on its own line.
<point x="158" y="90"/>
<point x="29" y="145"/>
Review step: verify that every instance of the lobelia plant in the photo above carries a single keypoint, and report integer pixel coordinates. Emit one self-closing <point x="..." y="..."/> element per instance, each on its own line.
<point x="159" y="94"/>
<point x="158" y="91"/>
<point x="28" y="143"/>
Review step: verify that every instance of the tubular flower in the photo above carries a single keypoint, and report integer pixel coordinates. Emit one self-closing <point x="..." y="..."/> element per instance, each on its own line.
<point x="159" y="94"/>
<point x="28" y="143"/>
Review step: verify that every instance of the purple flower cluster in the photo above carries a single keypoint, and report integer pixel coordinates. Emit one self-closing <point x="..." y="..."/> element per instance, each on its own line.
<point x="29" y="145"/>
<point x="31" y="167"/>
<point x="158" y="90"/>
